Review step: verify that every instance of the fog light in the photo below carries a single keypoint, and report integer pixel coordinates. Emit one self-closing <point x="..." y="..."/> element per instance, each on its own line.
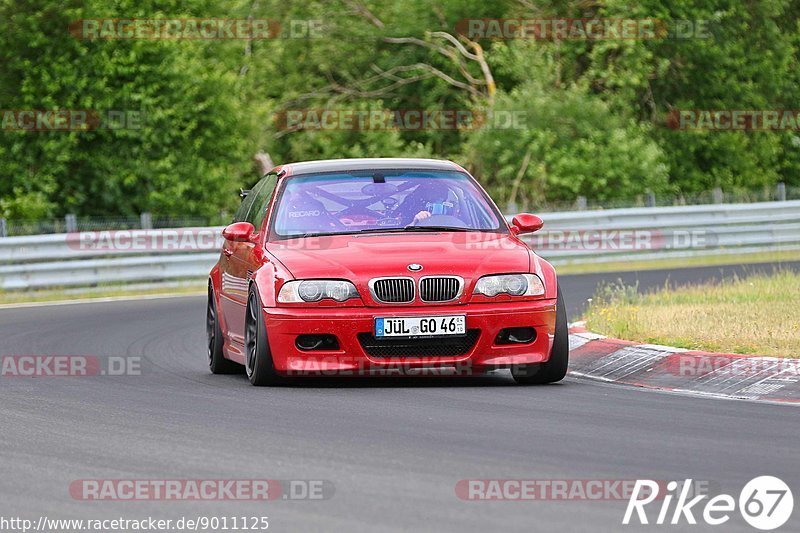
<point x="309" y="343"/>
<point x="515" y="336"/>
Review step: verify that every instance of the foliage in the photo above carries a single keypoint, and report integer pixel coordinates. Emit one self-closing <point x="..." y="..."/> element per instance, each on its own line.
<point x="577" y="146"/>
<point x="594" y="110"/>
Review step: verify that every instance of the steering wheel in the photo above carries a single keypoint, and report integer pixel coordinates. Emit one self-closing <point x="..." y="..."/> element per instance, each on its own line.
<point x="441" y="220"/>
<point x="356" y="210"/>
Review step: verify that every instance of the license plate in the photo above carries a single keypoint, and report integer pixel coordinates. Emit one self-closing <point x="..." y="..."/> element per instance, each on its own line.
<point x="420" y="326"/>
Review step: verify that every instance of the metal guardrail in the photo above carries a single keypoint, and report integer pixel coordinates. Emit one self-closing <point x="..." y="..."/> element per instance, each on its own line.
<point x="680" y="231"/>
<point x="86" y="259"/>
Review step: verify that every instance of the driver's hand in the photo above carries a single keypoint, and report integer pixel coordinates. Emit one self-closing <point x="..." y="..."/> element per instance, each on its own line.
<point x="422" y="215"/>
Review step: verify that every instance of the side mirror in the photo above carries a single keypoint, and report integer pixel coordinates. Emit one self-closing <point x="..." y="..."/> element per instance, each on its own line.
<point x="526" y="223"/>
<point x="240" y="232"/>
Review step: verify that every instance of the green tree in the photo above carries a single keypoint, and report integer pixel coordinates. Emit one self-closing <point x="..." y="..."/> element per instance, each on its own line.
<point x="192" y="146"/>
<point x="570" y="144"/>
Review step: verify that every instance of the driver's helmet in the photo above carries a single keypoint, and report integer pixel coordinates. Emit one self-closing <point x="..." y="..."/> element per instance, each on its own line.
<point x="435" y="198"/>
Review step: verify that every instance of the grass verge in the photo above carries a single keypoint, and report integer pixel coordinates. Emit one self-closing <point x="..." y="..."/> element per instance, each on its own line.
<point x="758" y="314"/>
<point x="678" y="262"/>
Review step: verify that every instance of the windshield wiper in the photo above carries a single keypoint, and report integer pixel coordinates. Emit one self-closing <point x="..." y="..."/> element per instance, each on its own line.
<point x="410" y="228"/>
<point x="382" y="230"/>
<point x="435" y="228"/>
<point x="332" y="233"/>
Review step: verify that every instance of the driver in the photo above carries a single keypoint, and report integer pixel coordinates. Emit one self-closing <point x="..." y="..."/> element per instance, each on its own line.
<point x="428" y="199"/>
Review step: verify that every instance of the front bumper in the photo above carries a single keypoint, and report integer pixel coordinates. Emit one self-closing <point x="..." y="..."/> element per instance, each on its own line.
<point x="284" y="324"/>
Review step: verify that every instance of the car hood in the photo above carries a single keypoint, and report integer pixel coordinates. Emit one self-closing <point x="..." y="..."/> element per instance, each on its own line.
<point x="362" y="257"/>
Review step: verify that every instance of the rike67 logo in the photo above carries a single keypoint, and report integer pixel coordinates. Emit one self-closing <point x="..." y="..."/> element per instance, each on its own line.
<point x="766" y="503"/>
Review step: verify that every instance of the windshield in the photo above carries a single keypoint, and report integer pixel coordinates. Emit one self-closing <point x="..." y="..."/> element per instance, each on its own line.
<point x="386" y="200"/>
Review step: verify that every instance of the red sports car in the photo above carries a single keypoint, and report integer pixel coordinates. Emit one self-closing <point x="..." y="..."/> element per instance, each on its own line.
<point x="365" y="266"/>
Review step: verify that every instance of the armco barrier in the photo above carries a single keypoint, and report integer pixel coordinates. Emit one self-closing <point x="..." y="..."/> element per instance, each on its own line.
<point x="680" y="231"/>
<point x="582" y="236"/>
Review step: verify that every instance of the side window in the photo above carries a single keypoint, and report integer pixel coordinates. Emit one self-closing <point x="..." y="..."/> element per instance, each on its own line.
<point x="262" y="193"/>
<point x="244" y="207"/>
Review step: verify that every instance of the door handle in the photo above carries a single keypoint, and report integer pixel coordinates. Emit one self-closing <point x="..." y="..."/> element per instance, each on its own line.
<point x="227" y="251"/>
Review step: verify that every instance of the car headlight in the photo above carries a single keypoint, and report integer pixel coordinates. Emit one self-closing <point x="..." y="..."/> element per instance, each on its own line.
<point x="513" y="284"/>
<point x="317" y="289"/>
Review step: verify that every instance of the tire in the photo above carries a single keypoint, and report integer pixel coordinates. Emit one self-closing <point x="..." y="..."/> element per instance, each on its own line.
<point x="556" y="367"/>
<point x="216" y="360"/>
<point x="258" y="358"/>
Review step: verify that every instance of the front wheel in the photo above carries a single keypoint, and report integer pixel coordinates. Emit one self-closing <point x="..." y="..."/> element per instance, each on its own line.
<point x="556" y="367"/>
<point x="258" y="358"/>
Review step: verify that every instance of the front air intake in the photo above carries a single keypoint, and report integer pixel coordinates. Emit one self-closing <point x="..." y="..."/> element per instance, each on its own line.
<point x="440" y="288"/>
<point x="392" y="290"/>
<point x="454" y="346"/>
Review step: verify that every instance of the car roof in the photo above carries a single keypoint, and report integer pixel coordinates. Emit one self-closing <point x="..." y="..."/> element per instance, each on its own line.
<point x="373" y="163"/>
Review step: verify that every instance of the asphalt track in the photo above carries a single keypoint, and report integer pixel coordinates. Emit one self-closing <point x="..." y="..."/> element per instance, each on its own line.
<point x="393" y="448"/>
